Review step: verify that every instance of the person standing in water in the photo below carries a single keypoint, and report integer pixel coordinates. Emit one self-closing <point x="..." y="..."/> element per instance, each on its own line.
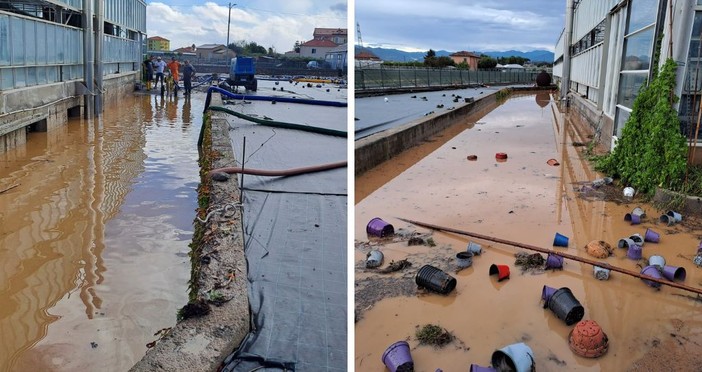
<point x="188" y="74"/>
<point x="159" y="67"/>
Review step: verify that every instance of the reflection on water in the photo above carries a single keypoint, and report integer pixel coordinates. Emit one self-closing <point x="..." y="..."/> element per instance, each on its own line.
<point x="94" y="237"/>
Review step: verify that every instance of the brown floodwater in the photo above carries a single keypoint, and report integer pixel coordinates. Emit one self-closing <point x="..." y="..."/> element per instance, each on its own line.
<point x="94" y="237"/>
<point x="525" y="200"/>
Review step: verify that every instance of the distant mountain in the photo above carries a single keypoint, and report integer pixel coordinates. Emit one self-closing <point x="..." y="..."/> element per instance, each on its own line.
<point x="400" y="56"/>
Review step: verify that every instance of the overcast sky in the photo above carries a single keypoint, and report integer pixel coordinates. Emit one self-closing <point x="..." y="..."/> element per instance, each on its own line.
<point x="454" y="25"/>
<point x="270" y="23"/>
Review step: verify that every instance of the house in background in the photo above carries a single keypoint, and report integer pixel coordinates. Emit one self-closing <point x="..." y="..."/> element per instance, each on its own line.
<point x="337" y="36"/>
<point x="466" y="57"/>
<point x="158" y="43"/>
<point x="214" y="52"/>
<point x="186" y="50"/>
<point x="324" y="40"/>
<point x="316" y="48"/>
<point x="366" y="59"/>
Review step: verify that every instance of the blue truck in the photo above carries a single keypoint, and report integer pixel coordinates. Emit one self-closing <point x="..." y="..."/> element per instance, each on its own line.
<point x="242" y="73"/>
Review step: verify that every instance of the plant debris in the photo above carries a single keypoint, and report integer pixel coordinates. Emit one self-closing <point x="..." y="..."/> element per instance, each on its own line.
<point x="415" y="241"/>
<point x="199" y="307"/>
<point x="529" y="262"/>
<point x="395" y="266"/>
<point x="435" y="335"/>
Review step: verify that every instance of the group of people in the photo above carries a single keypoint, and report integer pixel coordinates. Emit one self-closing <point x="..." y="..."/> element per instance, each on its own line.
<point x="158" y="67"/>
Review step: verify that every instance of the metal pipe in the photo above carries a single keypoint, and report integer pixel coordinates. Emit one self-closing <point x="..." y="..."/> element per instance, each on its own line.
<point x="88" y="108"/>
<point x="558" y="253"/>
<point x="565" y="85"/>
<point x="100" y="20"/>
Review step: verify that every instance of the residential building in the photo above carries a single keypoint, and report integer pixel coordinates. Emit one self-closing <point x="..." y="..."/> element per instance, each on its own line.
<point x="158" y="43"/>
<point x="468" y="58"/>
<point x="55" y="64"/>
<point x="366" y="59"/>
<point x="337" y="36"/>
<point x="609" y="51"/>
<point x="316" y="48"/>
<point x="214" y="52"/>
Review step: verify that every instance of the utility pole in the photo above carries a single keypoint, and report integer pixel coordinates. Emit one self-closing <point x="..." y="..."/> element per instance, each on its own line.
<point x="229" y="20"/>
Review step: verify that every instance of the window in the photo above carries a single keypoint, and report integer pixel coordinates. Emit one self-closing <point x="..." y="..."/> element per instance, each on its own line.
<point x="637" y="50"/>
<point x="314" y="50"/>
<point x="643" y="13"/>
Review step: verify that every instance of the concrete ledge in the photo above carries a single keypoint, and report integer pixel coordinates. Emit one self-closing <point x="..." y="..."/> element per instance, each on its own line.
<point x="681" y="203"/>
<point x="379" y="147"/>
<point x="202" y="343"/>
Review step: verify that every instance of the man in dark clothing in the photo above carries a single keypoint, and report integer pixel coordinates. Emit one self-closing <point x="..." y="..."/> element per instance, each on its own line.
<point x="188" y="74"/>
<point x="149" y="72"/>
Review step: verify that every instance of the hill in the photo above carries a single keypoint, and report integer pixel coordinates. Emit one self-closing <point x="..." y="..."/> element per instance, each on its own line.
<point x="400" y="56"/>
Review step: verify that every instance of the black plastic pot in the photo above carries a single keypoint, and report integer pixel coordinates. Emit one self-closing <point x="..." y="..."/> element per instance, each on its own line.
<point x="566" y="307"/>
<point x="435" y="280"/>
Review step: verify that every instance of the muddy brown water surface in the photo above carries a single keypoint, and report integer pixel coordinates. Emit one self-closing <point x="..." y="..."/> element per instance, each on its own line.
<point x="524" y="200"/>
<point x="94" y="239"/>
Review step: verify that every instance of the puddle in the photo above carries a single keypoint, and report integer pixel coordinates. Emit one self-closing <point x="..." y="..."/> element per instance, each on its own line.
<point x="526" y="200"/>
<point x="95" y="237"/>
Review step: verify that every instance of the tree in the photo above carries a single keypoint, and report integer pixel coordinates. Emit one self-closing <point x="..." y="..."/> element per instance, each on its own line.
<point x="486" y="62"/>
<point x="430" y="58"/>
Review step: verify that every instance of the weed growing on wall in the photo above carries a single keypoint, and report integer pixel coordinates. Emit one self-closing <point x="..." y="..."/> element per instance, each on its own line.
<point x="651" y="151"/>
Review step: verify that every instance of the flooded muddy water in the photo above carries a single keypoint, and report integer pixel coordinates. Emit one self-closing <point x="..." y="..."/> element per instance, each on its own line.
<point x="526" y="200"/>
<point x="94" y="237"/>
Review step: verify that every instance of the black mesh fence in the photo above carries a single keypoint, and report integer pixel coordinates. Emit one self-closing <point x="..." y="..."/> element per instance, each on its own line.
<point x="389" y="78"/>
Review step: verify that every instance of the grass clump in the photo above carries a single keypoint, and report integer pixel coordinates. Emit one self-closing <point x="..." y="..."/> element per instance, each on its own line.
<point x="431" y="334"/>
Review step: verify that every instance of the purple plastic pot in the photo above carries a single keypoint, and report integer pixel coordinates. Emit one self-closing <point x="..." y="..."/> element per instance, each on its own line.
<point x="477" y="368"/>
<point x="635" y="252"/>
<point x="674" y="273"/>
<point x="546" y="293"/>
<point x="554" y="261"/>
<point x="653" y="272"/>
<point x="652" y="236"/>
<point x="380" y="228"/>
<point x="635" y="220"/>
<point x="397" y="357"/>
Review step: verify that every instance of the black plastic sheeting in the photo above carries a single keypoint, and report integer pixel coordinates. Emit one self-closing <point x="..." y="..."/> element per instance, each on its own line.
<point x="296" y="247"/>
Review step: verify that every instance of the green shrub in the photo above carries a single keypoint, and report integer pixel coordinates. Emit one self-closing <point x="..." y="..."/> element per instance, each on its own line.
<point x="651" y="151"/>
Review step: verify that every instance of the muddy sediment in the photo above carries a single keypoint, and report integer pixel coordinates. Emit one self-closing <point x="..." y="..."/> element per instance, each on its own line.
<point x="527" y="200"/>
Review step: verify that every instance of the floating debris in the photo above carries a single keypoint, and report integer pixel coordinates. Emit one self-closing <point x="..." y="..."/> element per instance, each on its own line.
<point x="529" y="262"/>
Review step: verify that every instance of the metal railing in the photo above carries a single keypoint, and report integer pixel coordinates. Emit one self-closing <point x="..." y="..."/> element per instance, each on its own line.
<point x="397" y="77"/>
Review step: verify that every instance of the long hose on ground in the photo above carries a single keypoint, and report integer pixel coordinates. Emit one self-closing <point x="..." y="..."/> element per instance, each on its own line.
<point x="270" y="98"/>
<point x="280" y="124"/>
<point x="547" y="251"/>
<point x="279" y="173"/>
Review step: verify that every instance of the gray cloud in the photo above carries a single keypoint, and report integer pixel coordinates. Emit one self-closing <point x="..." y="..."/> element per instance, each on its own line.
<point x="461" y="24"/>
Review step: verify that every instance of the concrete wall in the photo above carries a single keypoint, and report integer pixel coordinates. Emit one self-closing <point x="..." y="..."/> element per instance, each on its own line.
<point x="379" y="147"/>
<point x="20" y="108"/>
<point x="594" y="121"/>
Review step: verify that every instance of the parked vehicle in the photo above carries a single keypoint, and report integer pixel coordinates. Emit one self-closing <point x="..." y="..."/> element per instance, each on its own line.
<point x="242" y="72"/>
